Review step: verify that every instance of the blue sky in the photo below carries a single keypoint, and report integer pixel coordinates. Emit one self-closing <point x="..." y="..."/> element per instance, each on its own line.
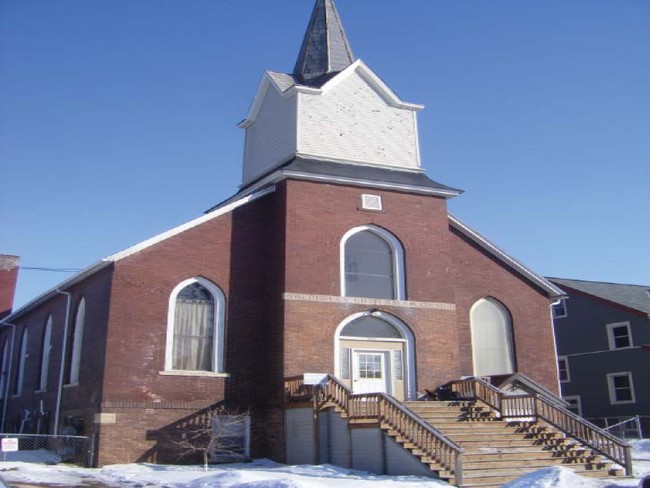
<point x="118" y="119"/>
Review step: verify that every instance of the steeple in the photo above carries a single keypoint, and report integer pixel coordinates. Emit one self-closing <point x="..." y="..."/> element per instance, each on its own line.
<point x="325" y="48"/>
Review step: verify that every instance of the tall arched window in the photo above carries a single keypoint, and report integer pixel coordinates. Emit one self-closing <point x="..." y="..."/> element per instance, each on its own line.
<point x="74" y="344"/>
<point x="45" y="354"/>
<point x="372" y="264"/>
<point x="492" y="342"/>
<point x="195" y="330"/>
<point x="4" y="372"/>
<point x="20" y="370"/>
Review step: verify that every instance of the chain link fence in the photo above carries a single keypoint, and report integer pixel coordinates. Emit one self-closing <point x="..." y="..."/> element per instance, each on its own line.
<point x="48" y="449"/>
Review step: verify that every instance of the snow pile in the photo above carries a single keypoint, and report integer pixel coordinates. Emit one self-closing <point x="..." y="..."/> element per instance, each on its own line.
<point x="259" y="474"/>
<point x="641" y="449"/>
<point x="555" y="477"/>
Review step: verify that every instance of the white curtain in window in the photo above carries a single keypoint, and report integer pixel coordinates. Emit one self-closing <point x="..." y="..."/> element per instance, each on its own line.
<point x="491" y="339"/>
<point x="193" y="335"/>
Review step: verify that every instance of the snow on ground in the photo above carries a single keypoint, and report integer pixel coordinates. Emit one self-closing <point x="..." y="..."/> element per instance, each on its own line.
<point x="267" y="474"/>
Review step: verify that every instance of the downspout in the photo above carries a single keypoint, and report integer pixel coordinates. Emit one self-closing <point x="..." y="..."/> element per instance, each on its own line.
<point x="7" y="378"/>
<point x="64" y="347"/>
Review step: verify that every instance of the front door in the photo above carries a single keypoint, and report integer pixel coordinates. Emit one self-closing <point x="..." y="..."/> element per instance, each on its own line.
<point x="371" y="372"/>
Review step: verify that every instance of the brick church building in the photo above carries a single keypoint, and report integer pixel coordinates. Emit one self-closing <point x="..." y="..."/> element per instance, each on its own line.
<point x="336" y="255"/>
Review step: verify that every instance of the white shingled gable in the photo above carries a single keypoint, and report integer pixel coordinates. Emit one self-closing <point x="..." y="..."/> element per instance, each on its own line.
<point x="353" y="118"/>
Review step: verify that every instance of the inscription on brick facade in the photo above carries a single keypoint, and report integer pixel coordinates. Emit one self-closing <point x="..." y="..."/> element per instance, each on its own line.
<point x="366" y="301"/>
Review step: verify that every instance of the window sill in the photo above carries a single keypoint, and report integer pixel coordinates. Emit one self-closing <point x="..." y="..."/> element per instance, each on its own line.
<point x="39" y="391"/>
<point x="70" y="385"/>
<point x="204" y="374"/>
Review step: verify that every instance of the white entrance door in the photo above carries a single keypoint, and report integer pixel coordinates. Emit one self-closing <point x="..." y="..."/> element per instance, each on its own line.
<point x="371" y="372"/>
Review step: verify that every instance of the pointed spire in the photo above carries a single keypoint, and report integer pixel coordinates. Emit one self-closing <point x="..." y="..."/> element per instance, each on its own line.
<point x="325" y="48"/>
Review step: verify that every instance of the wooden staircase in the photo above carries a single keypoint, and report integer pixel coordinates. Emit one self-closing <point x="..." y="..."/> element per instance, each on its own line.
<point x="484" y="438"/>
<point x="496" y="451"/>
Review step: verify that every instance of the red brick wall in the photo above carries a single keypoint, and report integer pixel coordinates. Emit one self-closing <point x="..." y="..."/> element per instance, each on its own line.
<point x="77" y="400"/>
<point x="8" y="278"/>
<point x="440" y="266"/>
<point x="478" y="275"/>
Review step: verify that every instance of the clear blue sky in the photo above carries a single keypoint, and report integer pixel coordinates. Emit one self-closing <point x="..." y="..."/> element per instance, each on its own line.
<point x="118" y="119"/>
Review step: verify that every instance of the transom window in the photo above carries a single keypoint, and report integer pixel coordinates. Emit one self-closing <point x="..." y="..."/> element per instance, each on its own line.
<point x="619" y="335"/>
<point x="372" y="264"/>
<point x="370" y="326"/>
<point x="621" y="388"/>
<point x="195" y="332"/>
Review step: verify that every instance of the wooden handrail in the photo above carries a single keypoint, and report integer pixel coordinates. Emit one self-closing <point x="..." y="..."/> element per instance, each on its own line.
<point x="385" y="410"/>
<point x="538" y="405"/>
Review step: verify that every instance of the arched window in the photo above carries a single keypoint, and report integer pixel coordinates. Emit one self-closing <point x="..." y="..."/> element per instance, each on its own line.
<point x="4" y="372"/>
<point x="20" y="370"/>
<point x="195" y="330"/>
<point x="45" y="354"/>
<point x="372" y="264"/>
<point x="75" y="339"/>
<point x="492" y="343"/>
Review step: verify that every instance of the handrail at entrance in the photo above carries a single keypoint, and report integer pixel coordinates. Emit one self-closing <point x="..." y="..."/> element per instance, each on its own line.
<point x="540" y="406"/>
<point x="385" y="410"/>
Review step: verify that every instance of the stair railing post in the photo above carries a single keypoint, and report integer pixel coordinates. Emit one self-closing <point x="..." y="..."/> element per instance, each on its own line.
<point x="628" y="460"/>
<point x="458" y="469"/>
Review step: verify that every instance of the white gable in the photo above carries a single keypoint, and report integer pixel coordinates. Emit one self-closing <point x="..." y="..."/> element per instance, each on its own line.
<point x="354" y="118"/>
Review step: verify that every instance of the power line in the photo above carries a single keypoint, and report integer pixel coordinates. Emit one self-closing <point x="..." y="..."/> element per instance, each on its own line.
<point x="55" y="270"/>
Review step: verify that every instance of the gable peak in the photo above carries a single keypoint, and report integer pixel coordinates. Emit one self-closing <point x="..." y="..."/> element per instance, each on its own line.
<point x="325" y="48"/>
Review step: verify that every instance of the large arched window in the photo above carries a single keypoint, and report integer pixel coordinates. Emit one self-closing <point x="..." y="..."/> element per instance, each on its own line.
<point x="73" y="362"/>
<point x="45" y="354"/>
<point x="492" y="342"/>
<point x="196" y="327"/>
<point x="20" y="370"/>
<point x="372" y="264"/>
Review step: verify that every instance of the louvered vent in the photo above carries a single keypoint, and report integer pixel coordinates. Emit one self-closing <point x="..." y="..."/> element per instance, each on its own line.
<point x="370" y="202"/>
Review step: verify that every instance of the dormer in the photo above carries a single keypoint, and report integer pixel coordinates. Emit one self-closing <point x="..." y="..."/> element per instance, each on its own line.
<point x="330" y="108"/>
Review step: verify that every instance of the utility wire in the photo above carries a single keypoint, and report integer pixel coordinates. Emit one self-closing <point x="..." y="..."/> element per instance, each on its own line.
<point x="55" y="270"/>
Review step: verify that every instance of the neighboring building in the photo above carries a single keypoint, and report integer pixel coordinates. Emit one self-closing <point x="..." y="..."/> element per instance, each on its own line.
<point x="8" y="278"/>
<point x="337" y="255"/>
<point x="603" y="340"/>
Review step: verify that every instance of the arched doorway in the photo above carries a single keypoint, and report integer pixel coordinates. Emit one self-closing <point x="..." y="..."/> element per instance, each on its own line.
<point x="492" y="343"/>
<point x="374" y="353"/>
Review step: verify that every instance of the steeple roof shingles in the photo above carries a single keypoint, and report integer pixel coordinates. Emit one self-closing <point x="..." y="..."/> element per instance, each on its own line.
<point x="325" y="47"/>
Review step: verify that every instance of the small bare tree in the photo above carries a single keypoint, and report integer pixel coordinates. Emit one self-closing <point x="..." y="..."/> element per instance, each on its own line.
<point x="218" y="436"/>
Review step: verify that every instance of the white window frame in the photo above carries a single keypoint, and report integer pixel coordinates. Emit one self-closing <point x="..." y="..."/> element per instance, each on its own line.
<point x="610" y="335"/>
<point x="218" y="335"/>
<point x="45" y="354"/>
<point x="398" y="258"/>
<point x="554" y="306"/>
<point x="578" y="402"/>
<point x="565" y="359"/>
<point x="612" y="391"/>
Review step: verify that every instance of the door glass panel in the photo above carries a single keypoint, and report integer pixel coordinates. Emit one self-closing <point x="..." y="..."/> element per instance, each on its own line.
<point x="370" y="366"/>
